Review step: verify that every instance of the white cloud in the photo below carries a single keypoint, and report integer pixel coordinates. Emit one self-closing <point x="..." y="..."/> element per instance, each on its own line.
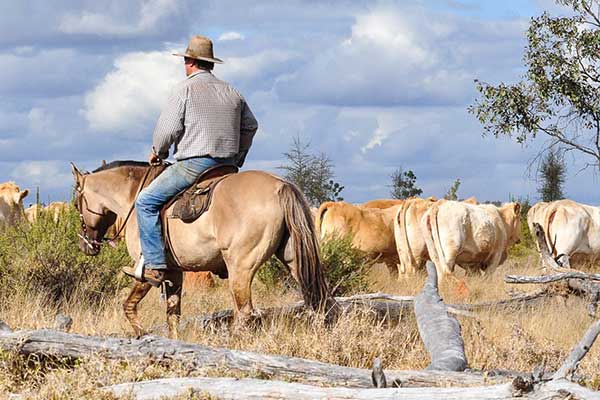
<point x="50" y="174"/>
<point x="231" y="36"/>
<point x="399" y="56"/>
<point x="251" y="67"/>
<point x="40" y="120"/>
<point x="130" y="97"/>
<point x="149" y="13"/>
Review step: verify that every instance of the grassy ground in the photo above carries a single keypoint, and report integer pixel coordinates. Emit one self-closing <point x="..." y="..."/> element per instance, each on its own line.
<point x="517" y="340"/>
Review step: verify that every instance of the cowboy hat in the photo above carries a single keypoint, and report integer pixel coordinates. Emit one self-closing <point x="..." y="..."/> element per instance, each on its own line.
<point x="200" y="48"/>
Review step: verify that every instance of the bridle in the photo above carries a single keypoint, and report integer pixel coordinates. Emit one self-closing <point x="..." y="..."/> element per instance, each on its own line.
<point x="94" y="244"/>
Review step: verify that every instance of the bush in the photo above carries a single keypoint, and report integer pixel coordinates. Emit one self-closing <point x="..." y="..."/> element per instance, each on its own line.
<point x="345" y="268"/>
<point x="44" y="256"/>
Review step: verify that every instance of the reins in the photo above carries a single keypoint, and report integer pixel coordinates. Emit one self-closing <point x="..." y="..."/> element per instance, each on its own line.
<point x="93" y="242"/>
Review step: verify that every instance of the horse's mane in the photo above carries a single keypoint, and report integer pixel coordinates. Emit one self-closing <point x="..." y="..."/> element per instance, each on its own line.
<point x="121" y="163"/>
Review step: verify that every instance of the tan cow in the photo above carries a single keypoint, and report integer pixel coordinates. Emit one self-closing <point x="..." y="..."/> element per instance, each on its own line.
<point x="572" y="231"/>
<point x="11" y="202"/>
<point x="32" y="212"/>
<point x="410" y="243"/>
<point x="382" y="203"/>
<point x="474" y="236"/>
<point x="372" y="229"/>
<point x="56" y="208"/>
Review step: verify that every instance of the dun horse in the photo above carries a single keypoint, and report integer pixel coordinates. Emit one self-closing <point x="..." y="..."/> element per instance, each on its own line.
<point x="253" y="215"/>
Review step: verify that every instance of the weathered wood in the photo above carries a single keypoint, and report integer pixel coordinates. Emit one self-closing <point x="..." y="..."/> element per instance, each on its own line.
<point x="550" y="278"/>
<point x="545" y="255"/>
<point x="569" y="366"/>
<point x="383" y="306"/>
<point x="60" y="344"/>
<point x="4" y="327"/>
<point x="439" y="331"/>
<point x="253" y="389"/>
<point x="517" y="301"/>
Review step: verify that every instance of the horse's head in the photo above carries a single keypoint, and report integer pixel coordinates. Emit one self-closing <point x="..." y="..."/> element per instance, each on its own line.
<point x="95" y="217"/>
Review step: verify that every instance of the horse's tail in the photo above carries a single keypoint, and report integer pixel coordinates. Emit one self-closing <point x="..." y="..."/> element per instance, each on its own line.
<point x="301" y="228"/>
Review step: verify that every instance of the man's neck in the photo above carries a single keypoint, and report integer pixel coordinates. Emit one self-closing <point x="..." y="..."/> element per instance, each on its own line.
<point x="195" y="71"/>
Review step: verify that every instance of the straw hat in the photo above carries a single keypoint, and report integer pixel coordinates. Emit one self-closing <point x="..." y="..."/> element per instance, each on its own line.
<point x="200" y="48"/>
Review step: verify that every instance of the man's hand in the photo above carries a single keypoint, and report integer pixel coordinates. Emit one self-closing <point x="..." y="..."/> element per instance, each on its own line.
<point x="154" y="159"/>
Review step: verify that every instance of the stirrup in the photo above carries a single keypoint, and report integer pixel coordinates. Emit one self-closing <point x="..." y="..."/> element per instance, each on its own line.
<point x="139" y="269"/>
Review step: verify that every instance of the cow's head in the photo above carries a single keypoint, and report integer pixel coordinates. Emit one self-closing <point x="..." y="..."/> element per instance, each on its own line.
<point x="511" y="214"/>
<point x="11" y="201"/>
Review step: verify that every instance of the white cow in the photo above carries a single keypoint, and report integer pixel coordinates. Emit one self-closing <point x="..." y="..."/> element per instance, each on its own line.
<point x="470" y="235"/>
<point x="572" y="231"/>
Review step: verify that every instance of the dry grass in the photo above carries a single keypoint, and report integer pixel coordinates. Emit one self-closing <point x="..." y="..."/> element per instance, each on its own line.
<point x="517" y="340"/>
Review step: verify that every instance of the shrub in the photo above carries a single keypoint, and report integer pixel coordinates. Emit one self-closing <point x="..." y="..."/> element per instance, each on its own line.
<point x="345" y="267"/>
<point x="44" y="256"/>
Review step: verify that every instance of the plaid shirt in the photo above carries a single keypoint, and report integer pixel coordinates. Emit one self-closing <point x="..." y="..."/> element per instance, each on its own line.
<point x="204" y="116"/>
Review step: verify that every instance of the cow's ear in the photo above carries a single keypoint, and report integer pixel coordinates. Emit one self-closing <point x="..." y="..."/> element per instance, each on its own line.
<point x="517" y="208"/>
<point x="23" y="194"/>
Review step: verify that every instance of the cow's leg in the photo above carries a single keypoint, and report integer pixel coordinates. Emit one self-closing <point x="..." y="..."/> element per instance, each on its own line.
<point x="138" y="292"/>
<point x="173" y="295"/>
<point x="393" y="268"/>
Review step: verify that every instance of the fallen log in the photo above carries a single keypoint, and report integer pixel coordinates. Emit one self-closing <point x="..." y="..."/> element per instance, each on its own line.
<point x="550" y="278"/>
<point x="439" y="331"/>
<point x="383" y="306"/>
<point x="569" y="366"/>
<point x="254" y="389"/>
<point x="62" y="345"/>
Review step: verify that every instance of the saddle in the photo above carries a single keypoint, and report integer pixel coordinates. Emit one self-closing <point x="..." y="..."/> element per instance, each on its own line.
<point x="192" y="202"/>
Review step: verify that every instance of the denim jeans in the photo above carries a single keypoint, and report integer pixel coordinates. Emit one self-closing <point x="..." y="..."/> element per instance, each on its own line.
<point x="149" y="202"/>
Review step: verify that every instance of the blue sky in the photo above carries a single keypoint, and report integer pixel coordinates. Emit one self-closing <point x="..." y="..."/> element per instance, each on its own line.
<point x="375" y="85"/>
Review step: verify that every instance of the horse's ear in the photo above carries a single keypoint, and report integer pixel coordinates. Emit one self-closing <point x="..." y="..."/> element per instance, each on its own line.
<point x="76" y="173"/>
<point x="104" y="163"/>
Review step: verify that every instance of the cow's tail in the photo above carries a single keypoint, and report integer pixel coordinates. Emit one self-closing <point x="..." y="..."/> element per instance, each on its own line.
<point x="401" y="232"/>
<point x="548" y="219"/>
<point x="320" y="216"/>
<point x="431" y="234"/>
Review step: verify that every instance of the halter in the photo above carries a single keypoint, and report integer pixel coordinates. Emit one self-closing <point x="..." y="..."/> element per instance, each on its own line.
<point x="93" y="243"/>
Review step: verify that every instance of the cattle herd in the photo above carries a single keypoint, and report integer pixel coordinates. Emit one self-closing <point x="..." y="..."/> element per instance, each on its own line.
<point x="404" y="234"/>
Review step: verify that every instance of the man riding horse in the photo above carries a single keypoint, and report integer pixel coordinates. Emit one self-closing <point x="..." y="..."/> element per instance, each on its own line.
<point x="209" y="123"/>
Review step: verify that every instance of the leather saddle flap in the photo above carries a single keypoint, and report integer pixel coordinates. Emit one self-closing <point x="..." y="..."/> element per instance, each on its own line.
<point x="191" y="203"/>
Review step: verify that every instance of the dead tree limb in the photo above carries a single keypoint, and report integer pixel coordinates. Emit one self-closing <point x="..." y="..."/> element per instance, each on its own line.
<point x="383" y="306"/>
<point x="569" y="366"/>
<point x="550" y="278"/>
<point x="253" y="389"/>
<point x="439" y="331"/>
<point x="61" y="344"/>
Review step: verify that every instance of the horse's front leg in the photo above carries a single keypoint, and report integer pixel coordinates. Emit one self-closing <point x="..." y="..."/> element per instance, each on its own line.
<point x="138" y="292"/>
<point x="173" y="294"/>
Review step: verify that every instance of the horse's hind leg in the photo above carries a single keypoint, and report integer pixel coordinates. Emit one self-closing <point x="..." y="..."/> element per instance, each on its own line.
<point x="138" y="292"/>
<point x="173" y="294"/>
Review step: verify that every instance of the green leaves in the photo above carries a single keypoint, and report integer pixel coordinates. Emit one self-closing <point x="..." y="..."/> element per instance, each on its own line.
<point x="559" y="93"/>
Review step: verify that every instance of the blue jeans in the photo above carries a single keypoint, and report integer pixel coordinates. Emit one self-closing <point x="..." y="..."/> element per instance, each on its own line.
<point x="149" y="202"/>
